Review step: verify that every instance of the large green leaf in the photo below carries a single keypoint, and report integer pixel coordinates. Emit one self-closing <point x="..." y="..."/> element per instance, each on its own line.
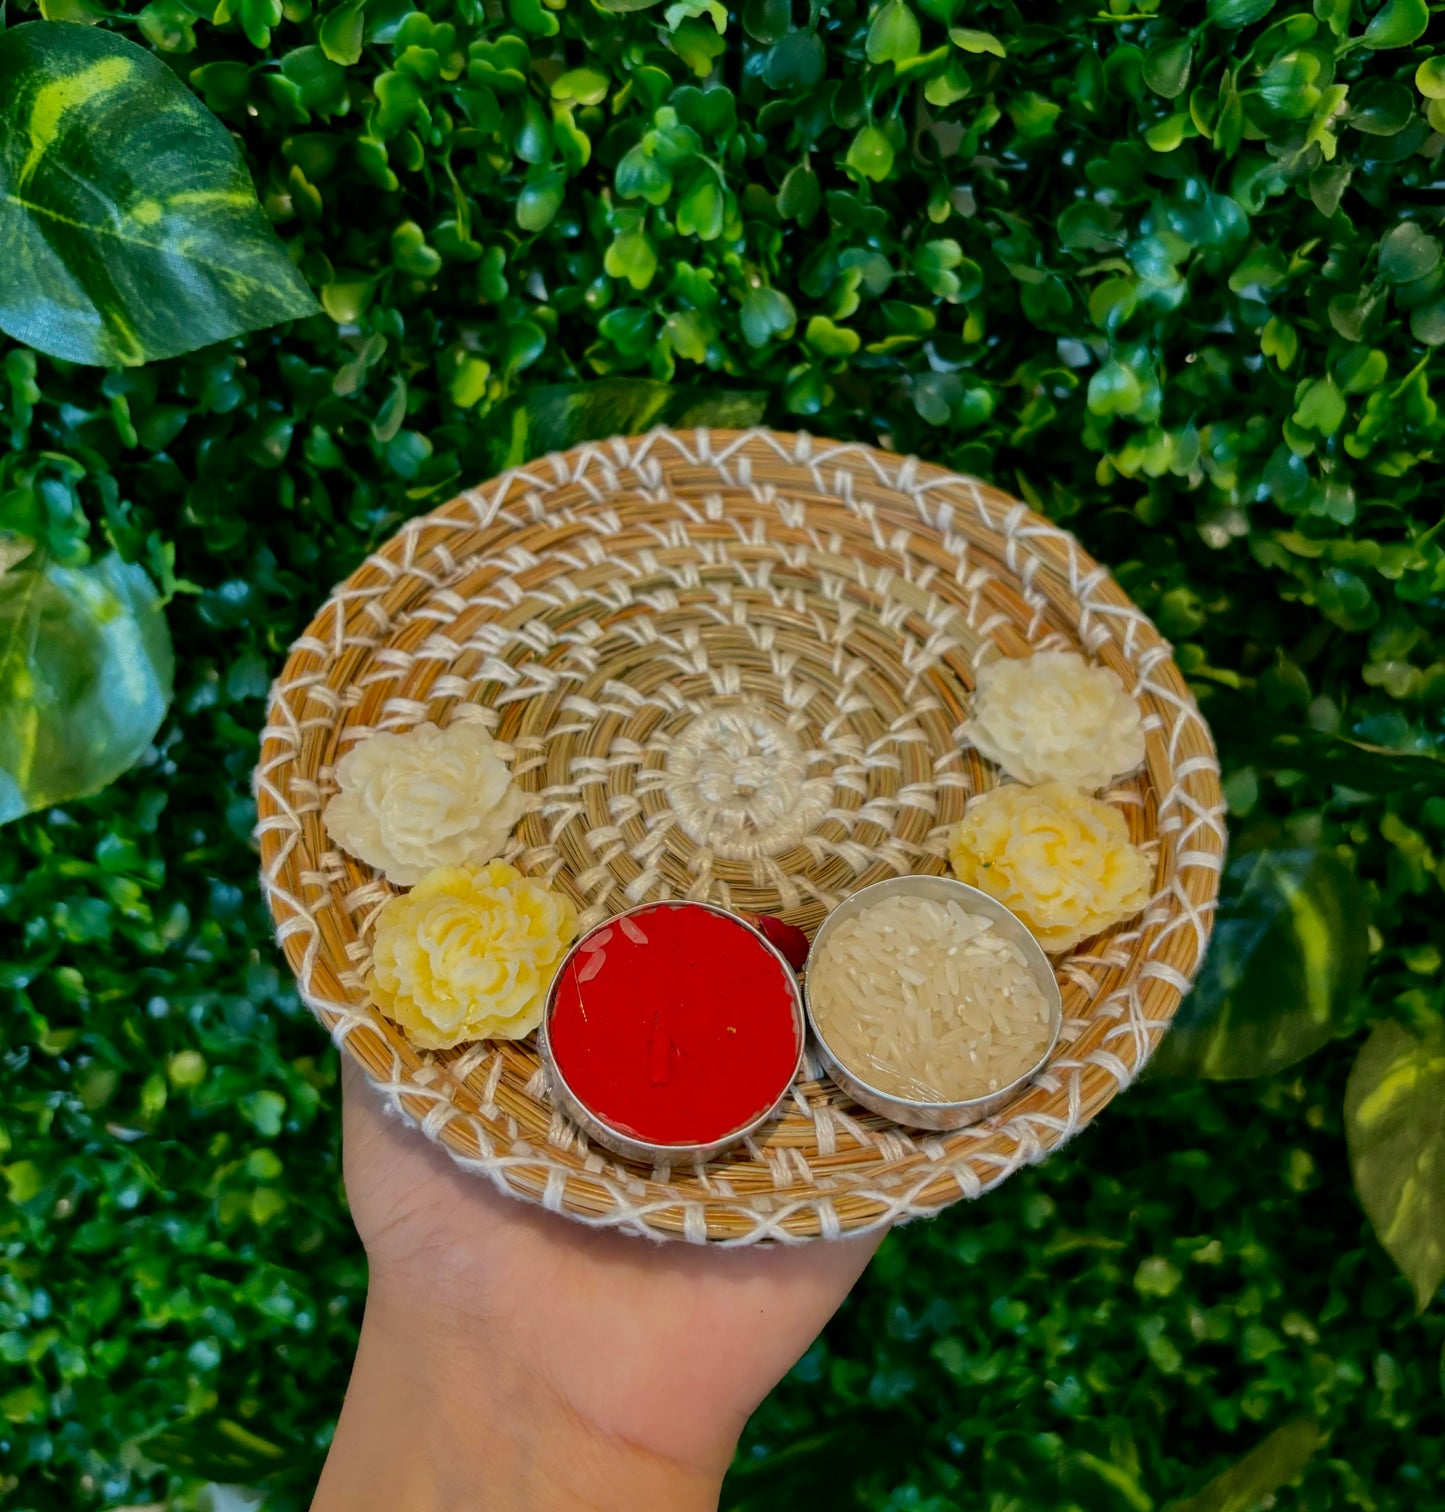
<point x="1395" y="1124"/>
<point x="85" y="678"/>
<point x="129" y="228"/>
<point x="559" y="415"/>
<point x="1275" y="1462"/>
<point x="1286" y="959"/>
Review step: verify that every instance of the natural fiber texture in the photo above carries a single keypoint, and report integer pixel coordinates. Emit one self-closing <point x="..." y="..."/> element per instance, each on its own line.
<point x="729" y="666"/>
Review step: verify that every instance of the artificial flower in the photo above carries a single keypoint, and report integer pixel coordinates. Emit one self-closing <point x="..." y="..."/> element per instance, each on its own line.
<point x="469" y="953"/>
<point x="1054" y="717"/>
<point x="412" y="802"/>
<point x="1060" y="859"/>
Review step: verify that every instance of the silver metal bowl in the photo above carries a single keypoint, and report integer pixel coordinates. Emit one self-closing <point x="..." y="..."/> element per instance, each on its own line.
<point x="628" y="1145"/>
<point x="903" y="1110"/>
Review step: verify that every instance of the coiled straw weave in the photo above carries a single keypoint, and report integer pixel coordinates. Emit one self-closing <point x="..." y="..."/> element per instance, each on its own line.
<point x="729" y="666"/>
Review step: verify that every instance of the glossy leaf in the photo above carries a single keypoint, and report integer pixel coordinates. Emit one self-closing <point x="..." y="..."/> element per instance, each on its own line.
<point x="556" y="416"/>
<point x="894" y="35"/>
<point x="1430" y="78"/>
<point x="1271" y="1465"/>
<point x="129" y="228"/>
<point x="1284" y="964"/>
<point x="1408" y="253"/>
<point x="1166" y="67"/>
<point x="85" y="678"/>
<point x="1395" y="1123"/>
<point x="871" y="154"/>
<point x="1234" y="14"/>
<point x="1397" y="23"/>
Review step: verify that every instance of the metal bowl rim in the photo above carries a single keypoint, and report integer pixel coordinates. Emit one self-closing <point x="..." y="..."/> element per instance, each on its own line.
<point x="666" y="1152"/>
<point x="1052" y="995"/>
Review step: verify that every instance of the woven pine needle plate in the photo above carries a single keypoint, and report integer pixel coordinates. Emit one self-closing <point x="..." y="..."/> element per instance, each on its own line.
<point x="729" y="666"/>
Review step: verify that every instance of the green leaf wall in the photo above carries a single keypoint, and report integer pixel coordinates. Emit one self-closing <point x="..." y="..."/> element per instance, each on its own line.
<point x="1170" y="271"/>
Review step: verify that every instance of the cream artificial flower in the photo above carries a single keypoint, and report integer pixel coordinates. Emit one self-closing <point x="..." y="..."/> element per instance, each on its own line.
<point x="1054" y="717"/>
<point x="469" y="953"/>
<point x="427" y="798"/>
<point x="1061" y="860"/>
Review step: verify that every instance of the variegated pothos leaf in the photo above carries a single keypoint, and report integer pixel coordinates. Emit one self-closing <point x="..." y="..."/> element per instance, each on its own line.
<point x="129" y="227"/>
<point x="1395" y="1124"/>
<point x="1283" y="969"/>
<point x="85" y="678"/>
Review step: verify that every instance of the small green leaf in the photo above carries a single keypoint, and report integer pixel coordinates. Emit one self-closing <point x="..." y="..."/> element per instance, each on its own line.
<point x="1321" y="408"/>
<point x="800" y="196"/>
<point x="1383" y="109"/>
<point x="894" y="35"/>
<point x="557" y="416"/>
<point x="1408" y="253"/>
<point x="970" y="41"/>
<point x="871" y="153"/>
<point x="1115" y="390"/>
<point x="1395" y="1125"/>
<point x="797" y="62"/>
<point x="1335" y="14"/>
<point x="410" y="252"/>
<point x="1166" y="67"/>
<point x="633" y="257"/>
<point x="1430" y="78"/>
<point x="540" y="200"/>
<point x="767" y="313"/>
<point x="322" y="83"/>
<point x="129" y="228"/>
<point x="341" y="33"/>
<point x="1271" y="1465"/>
<point x="1279" y="340"/>
<point x="1427" y="324"/>
<point x="767" y="20"/>
<point x="1286" y="959"/>
<point x="585" y="86"/>
<point x="1033" y="115"/>
<point x="700" y="210"/>
<point x="1327" y="186"/>
<point x="830" y="340"/>
<point x="641" y="175"/>
<point x="1234" y="14"/>
<point x="1397" y="23"/>
<point x="85" y="679"/>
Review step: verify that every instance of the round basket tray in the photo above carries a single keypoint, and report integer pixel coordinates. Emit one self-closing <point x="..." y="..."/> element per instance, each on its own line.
<point x="729" y="666"/>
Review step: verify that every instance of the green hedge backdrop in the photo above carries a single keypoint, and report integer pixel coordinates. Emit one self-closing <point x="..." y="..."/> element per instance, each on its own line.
<point x="1169" y="271"/>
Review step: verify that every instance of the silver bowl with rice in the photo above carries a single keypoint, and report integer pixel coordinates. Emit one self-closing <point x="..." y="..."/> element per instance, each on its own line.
<point x="923" y="994"/>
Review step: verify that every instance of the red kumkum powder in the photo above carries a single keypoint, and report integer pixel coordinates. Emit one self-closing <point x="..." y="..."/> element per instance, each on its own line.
<point x="675" y="1025"/>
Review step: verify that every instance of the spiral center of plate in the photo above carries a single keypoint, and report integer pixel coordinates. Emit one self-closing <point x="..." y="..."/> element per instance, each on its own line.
<point x="738" y="783"/>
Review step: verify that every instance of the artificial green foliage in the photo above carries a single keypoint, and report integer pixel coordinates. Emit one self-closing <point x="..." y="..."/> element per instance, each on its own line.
<point x="1287" y="958"/>
<point x="129" y="229"/>
<point x="1170" y="272"/>
<point x="85" y="678"/>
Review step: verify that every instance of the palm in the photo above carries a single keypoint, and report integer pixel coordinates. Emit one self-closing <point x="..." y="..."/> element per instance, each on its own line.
<point x="668" y="1346"/>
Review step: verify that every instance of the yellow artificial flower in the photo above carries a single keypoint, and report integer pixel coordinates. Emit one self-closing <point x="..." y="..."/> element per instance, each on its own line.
<point x="1061" y="860"/>
<point x="469" y="953"/>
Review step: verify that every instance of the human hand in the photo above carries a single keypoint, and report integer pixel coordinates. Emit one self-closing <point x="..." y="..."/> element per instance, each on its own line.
<point x="513" y="1359"/>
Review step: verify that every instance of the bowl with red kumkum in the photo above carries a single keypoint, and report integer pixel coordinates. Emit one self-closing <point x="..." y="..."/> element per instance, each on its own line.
<point x="672" y="1031"/>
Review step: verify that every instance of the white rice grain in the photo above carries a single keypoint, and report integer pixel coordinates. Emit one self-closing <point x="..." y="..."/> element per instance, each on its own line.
<point x="925" y="1001"/>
